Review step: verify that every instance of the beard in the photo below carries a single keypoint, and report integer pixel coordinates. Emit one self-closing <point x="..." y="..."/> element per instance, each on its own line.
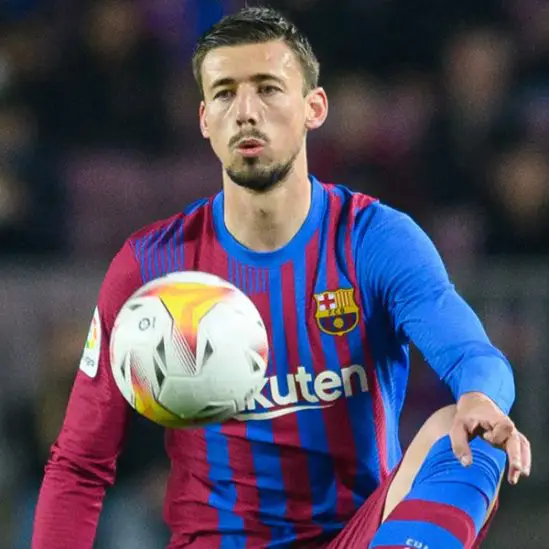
<point x="255" y="177"/>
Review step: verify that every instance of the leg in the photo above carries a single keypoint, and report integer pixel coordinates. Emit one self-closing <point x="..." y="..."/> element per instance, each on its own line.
<point x="433" y="501"/>
<point x="411" y="480"/>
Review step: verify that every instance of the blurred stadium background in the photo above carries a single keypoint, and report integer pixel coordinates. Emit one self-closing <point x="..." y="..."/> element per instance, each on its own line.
<point x="439" y="107"/>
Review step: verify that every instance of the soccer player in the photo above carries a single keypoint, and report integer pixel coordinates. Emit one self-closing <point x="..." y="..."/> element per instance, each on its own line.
<point x="343" y="283"/>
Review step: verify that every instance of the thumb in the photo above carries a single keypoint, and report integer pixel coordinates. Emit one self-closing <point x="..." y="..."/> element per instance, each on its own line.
<point x="459" y="438"/>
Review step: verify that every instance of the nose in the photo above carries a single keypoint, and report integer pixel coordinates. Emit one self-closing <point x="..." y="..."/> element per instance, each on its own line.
<point x="247" y="107"/>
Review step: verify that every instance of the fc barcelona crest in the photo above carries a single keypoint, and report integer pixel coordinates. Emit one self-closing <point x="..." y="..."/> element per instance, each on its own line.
<point x="336" y="312"/>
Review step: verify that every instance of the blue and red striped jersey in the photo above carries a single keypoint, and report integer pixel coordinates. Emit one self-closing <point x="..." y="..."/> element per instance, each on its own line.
<point x="341" y="302"/>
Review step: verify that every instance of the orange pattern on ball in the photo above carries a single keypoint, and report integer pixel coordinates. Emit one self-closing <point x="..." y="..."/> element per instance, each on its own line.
<point x="187" y="303"/>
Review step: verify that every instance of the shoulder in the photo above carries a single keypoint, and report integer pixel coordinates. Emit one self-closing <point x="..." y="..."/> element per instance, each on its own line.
<point x="367" y="218"/>
<point x="365" y="212"/>
<point x="161" y="230"/>
<point x="127" y="270"/>
<point x="390" y="234"/>
<point x="347" y="198"/>
<point x="391" y="248"/>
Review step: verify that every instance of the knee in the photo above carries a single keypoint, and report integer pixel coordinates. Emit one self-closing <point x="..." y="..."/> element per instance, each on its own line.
<point x="437" y="426"/>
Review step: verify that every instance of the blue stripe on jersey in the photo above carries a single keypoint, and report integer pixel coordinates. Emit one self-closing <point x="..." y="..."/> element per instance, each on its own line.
<point x="243" y="278"/>
<point x="171" y="253"/>
<point x="164" y="253"/>
<point x="263" y="280"/>
<point x="139" y="250"/>
<point x="277" y="499"/>
<point x="250" y="280"/>
<point x="236" y="274"/>
<point x="312" y="431"/>
<point x="223" y="496"/>
<point x="145" y="271"/>
<point x="267" y="468"/>
<point x="267" y="465"/>
<point x="379" y="347"/>
<point x="377" y="340"/>
<point x="191" y="208"/>
<point x="148" y="257"/>
<point x="255" y="275"/>
<point x="232" y="267"/>
<point x="327" y="341"/>
<point x="179" y="259"/>
<point x="158" y="257"/>
<point x="153" y="255"/>
<point x="360" y="405"/>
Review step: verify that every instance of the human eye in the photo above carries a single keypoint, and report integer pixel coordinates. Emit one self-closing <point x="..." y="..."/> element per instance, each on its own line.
<point x="268" y="89"/>
<point x="224" y="95"/>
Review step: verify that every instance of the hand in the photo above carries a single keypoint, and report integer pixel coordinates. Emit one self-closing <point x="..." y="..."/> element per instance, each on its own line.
<point x="478" y="415"/>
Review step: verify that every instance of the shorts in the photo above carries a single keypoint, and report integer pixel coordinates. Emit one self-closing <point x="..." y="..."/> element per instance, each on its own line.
<point x="361" y="529"/>
<point x="357" y="533"/>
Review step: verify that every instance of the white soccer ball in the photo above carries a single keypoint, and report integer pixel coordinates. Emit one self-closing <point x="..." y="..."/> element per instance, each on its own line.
<point x="188" y="349"/>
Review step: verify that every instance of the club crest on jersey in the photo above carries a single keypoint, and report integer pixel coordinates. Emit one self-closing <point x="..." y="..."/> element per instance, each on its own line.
<point x="336" y="312"/>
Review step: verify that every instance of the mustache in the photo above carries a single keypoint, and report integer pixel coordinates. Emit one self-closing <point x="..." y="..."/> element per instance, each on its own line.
<point x="250" y="134"/>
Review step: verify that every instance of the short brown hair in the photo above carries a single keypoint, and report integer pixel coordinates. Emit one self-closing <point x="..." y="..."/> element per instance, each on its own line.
<point x="255" y="26"/>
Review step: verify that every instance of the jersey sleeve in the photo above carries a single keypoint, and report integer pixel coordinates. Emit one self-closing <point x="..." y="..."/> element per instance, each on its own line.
<point x="83" y="459"/>
<point x="400" y="264"/>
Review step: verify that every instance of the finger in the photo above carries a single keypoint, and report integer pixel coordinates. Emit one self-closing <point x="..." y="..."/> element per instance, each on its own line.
<point x="473" y="426"/>
<point x="488" y="436"/>
<point x="514" y="454"/>
<point x="484" y="428"/>
<point x="499" y="434"/>
<point x="480" y="428"/>
<point x="526" y="454"/>
<point x="487" y="430"/>
<point x="459" y="437"/>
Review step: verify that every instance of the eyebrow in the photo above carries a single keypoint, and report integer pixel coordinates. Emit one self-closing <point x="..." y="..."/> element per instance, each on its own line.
<point x="256" y="78"/>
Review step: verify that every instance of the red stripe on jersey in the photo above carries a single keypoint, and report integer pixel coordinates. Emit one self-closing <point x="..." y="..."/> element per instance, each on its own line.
<point x="189" y="498"/>
<point x="187" y="495"/>
<point x="312" y="262"/>
<point x="239" y="448"/>
<point x="199" y="234"/>
<point x="259" y="533"/>
<point x="247" y="494"/>
<point x="336" y="432"/>
<point x="340" y="435"/>
<point x="293" y="459"/>
<point x="380" y="422"/>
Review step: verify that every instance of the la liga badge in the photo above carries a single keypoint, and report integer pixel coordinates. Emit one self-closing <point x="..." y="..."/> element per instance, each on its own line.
<point x="89" y="363"/>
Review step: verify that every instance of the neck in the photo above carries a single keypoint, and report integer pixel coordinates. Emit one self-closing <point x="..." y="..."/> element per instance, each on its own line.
<point x="265" y="222"/>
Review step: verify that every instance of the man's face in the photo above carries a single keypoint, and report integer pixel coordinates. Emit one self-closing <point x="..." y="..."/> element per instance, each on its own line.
<point x="255" y="113"/>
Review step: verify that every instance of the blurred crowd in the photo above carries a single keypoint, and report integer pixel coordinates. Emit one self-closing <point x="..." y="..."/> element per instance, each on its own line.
<point x="438" y="107"/>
